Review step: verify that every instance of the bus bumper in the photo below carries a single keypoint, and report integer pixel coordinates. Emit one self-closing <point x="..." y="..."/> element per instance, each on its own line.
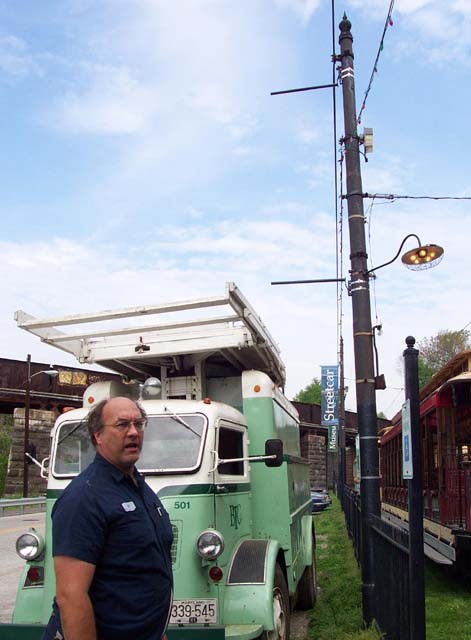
<point x="230" y="632"/>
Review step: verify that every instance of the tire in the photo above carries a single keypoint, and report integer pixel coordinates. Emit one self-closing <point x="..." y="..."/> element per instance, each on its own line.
<point x="281" y="608"/>
<point x="307" y="586"/>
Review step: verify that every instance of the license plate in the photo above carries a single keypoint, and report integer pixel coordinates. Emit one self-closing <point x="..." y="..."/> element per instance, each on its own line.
<point x="193" y="612"/>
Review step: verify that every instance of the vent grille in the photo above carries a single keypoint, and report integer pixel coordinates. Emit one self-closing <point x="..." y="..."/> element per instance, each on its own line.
<point x="249" y="563"/>
<point x="176" y="539"/>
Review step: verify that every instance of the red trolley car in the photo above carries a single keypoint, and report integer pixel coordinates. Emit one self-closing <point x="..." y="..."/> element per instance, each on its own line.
<point x="445" y="422"/>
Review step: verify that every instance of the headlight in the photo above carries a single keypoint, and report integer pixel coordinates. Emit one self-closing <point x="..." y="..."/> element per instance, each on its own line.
<point x="29" y="545"/>
<point x="210" y="544"/>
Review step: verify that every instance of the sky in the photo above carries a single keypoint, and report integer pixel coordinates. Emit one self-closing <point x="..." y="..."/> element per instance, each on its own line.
<point x="145" y="161"/>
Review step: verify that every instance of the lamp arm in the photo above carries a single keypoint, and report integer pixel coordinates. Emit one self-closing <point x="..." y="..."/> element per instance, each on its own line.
<point x="411" y="235"/>
<point x="49" y="372"/>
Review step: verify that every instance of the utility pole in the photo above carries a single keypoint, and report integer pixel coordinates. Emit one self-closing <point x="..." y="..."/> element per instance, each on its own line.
<point x="362" y="329"/>
<point x="26" y="431"/>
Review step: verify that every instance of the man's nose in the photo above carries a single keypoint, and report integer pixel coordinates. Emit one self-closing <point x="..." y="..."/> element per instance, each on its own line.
<point x="132" y="431"/>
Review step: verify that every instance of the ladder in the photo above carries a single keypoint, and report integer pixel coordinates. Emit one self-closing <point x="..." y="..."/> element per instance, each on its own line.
<point x="215" y="346"/>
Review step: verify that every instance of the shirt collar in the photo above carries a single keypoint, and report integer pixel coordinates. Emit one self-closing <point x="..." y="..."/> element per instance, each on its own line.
<point x="116" y="473"/>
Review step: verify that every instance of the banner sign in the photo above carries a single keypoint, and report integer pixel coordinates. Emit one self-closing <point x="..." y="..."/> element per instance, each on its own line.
<point x="329" y="404"/>
<point x="407" y="468"/>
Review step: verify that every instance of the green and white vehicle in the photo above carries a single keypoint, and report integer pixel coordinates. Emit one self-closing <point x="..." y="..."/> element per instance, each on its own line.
<point x="221" y="450"/>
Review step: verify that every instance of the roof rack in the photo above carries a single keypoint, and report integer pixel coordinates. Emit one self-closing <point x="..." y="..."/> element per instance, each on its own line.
<point x="226" y="344"/>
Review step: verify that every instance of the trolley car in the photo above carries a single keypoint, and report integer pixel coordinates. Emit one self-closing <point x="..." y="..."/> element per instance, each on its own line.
<point x="445" y="423"/>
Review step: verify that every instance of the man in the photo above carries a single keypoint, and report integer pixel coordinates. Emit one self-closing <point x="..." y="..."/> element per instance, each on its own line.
<point x="111" y="540"/>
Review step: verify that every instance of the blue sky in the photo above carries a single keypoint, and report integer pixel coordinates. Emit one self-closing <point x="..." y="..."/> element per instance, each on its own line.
<point x="144" y="160"/>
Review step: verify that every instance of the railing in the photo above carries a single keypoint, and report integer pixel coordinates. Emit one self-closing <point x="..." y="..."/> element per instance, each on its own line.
<point x="391" y="578"/>
<point x="18" y="506"/>
<point x="352" y="510"/>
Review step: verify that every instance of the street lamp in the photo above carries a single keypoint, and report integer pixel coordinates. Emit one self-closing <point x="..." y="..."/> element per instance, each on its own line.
<point x="424" y="256"/>
<point x="52" y="373"/>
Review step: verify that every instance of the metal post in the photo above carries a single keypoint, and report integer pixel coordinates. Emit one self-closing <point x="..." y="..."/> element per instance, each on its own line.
<point x="415" y="497"/>
<point x="26" y="431"/>
<point x="342" y="465"/>
<point x="362" y="330"/>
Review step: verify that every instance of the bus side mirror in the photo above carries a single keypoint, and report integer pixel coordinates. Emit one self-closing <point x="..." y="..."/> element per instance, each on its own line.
<point x="274" y="448"/>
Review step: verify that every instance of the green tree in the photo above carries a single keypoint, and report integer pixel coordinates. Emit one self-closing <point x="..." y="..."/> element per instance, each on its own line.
<point x="6" y="426"/>
<point x="437" y="350"/>
<point x="311" y="394"/>
<point x="425" y="373"/>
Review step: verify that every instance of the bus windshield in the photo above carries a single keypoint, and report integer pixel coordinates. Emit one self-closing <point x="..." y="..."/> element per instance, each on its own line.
<point x="172" y="444"/>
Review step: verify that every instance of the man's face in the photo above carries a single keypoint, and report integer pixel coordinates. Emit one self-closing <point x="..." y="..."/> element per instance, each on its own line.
<point x="120" y="447"/>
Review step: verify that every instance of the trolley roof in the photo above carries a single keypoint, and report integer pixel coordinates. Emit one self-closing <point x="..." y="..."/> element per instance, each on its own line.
<point x="228" y="344"/>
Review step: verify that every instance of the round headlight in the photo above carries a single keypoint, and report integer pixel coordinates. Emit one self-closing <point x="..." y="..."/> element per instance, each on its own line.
<point x="29" y="545"/>
<point x="210" y="544"/>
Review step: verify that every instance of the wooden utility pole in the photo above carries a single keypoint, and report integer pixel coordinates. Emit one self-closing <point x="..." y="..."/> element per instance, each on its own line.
<point x="362" y="328"/>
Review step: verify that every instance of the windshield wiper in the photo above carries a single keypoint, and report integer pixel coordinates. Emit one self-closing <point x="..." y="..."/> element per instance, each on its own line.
<point x="77" y="426"/>
<point x="181" y="421"/>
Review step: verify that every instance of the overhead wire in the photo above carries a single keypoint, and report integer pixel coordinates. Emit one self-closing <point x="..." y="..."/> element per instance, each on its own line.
<point x="388" y="23"/>
<point x="338" y="223"/>
<point x="368" y="216"/>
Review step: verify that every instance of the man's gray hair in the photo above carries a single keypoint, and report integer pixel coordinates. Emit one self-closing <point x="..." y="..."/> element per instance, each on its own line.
<point x="95" y="418"/>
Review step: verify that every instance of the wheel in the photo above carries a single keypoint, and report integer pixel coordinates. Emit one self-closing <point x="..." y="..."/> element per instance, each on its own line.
<point x="306" y="594"/>
<point x="307" y="588"/>
<point x="281" y="611"/>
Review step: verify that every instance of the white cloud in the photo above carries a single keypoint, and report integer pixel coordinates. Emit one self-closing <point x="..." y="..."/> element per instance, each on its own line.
<point x="304" y="9"/>
<point x="114" y="102"/>
<point x="174" y="262"/>
<point x="243" y="152"/>
<point x="15" y="58"/>
<point x="441" y="31"/>
<point x="308" y="135"/>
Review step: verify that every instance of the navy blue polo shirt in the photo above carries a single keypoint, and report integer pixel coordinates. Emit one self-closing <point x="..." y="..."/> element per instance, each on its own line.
<point x="103" y="518"/>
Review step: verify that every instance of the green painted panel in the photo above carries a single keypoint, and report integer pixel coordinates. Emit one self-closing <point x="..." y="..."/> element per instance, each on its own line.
<point x="35" y="632"/>
<point x="53" y="494"/>
<point x="196" y="633"/>
<point x="21" y="631"/>
<point x="202" y="489"/>
<point x="181" y="489"/>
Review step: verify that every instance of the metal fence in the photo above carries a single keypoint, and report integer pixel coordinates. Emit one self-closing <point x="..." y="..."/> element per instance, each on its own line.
<point x="352" y="510"/>
<point x="391" y="564"/>
<point x="18" y="506"/>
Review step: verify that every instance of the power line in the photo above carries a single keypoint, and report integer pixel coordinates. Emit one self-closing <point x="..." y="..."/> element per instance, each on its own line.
<point x="388" y="23"/>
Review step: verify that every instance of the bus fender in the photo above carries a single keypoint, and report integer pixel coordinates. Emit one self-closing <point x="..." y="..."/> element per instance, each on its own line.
<point x="249" y="588"/>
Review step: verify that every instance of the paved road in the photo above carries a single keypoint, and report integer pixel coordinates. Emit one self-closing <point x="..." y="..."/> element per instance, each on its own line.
<point x="11" y="565"/>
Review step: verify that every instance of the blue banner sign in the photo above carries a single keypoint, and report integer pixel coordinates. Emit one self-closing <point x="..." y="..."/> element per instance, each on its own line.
<point x="407" y="468"/>
<point x="330" y="404"/>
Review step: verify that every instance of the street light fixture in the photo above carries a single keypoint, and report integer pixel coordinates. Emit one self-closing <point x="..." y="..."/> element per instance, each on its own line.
<point x="52" y="373"/>
<point x="425" y="256"/>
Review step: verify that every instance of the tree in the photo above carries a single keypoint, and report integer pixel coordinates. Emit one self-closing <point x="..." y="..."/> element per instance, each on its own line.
<point x="425" y="373"/>
<point x="311" y="394"/>
<point x="437" y="350"/>
<point x="6" y="427"/>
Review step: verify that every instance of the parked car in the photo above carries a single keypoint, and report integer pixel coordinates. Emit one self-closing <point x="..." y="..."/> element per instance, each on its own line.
<point x="320" y="499"/>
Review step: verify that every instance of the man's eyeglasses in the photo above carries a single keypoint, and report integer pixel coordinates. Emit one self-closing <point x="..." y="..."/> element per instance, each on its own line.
<point x="124" y="425"/>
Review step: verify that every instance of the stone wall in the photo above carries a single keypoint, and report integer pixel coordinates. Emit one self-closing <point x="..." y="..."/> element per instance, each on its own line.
<point x="40" y="425"/>
<point x="350" y="454"/>
<point x="313" y="448"/>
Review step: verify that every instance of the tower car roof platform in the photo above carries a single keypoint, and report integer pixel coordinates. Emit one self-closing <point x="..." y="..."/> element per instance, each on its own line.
<point x="226" y="344"/>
